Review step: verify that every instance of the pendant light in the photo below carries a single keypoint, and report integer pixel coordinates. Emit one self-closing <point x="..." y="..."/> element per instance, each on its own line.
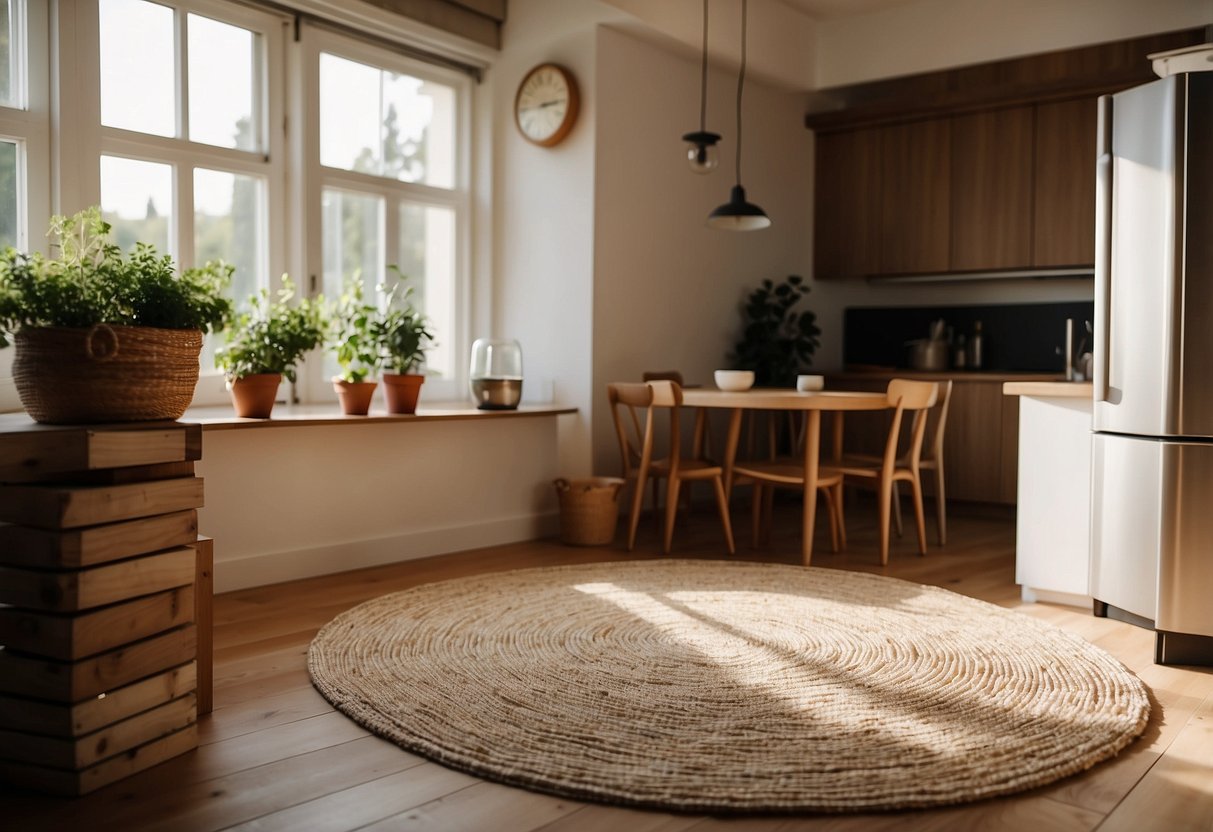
<point x="701" y="145"/>
<point x="737" y="214"/>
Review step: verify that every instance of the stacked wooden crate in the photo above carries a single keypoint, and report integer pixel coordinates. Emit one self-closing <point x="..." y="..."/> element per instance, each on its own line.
<point x="99" y="567"/>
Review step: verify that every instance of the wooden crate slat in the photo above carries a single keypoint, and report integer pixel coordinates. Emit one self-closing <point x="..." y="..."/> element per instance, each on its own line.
<point x="66" y="507"/>
<point x="119" y="476"/>
<point x="104" y="773"/>
<point x="30" y="451"/>
<point x="67" y="637"/>
<point x="86" y="588"/>
<point x="76" y="719"/>
<point x="75" y="681"/>
<point x="90" y="749"/>
<point x="75" y="548"/>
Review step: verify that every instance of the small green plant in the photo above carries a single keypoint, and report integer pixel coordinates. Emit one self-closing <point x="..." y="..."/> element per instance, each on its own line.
<point x="91" y="282"/>
<point x="404" y="332"/>
<point x="273" y="334"/>
<point x="355" y="334"/>
<point x="777" y="342"/>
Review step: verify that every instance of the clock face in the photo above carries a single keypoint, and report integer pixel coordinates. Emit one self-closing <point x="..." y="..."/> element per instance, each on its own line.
<point x="546" y="106"/>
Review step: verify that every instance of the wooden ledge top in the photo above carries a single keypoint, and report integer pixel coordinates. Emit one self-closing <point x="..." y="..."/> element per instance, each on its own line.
<point x="287" y="416"/>
<point x="1049" y="390"/>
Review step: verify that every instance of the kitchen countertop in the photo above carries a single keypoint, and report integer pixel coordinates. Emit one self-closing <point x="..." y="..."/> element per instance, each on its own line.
<point x="1045" y="389"/>
<point x="944" y="375"/>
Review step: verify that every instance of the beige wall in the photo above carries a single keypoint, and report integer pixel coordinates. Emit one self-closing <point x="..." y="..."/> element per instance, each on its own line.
<point x="667" y="289"/>
<point x="936" y="34"/>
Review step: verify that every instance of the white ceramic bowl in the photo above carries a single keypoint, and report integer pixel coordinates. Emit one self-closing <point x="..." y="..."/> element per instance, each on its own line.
<point x="808" y="384"/>
<point x="734" y="380"/>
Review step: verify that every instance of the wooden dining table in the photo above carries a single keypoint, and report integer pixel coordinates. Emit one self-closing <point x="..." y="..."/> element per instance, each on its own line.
<point x="812" y="404"/>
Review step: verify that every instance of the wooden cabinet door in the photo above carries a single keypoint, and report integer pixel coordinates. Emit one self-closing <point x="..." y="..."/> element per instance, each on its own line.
<point x="1064" y="210"/>
<point x="973" y="445"/>
<point x="846" y="204"/>
<point x="916" y="194"/>
<point x="992" y="190"/>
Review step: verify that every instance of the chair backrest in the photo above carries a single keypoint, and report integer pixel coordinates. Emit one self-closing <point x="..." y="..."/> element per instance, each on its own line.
<point x="916" y="397"/>
<point x="636" y="443"/>
<point x="942" y="402"/>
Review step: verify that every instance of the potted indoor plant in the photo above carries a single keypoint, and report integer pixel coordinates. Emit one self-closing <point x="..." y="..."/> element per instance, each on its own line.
<point x="355" y="342"/>
<point x="404" y="336"/>
<point x="102" y="336"/>
<point x="777" y="342"/>
<point x="266" y="342"/>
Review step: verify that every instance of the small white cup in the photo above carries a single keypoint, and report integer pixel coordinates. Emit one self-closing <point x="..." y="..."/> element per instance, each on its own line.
<point x="808" y="384"/>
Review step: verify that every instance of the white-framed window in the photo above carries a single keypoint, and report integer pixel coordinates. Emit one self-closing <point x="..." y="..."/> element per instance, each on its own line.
<point x="388" y="164"/>
<point x="24" y="141"/>
<point x="190" y="144"/>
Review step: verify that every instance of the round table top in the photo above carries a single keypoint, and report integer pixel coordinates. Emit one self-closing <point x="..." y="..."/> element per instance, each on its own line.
<point x="772" y="399"/>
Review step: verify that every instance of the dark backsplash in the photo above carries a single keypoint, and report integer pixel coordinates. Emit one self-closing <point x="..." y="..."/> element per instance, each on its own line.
<point x="1014" y="336"/>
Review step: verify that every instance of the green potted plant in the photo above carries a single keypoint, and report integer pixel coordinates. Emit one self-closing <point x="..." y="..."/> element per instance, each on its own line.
<point x="355" y="342"/>
<point x="266" y="342"/>
<point x="102" y="336"/>
<point x="777" y="342"/>
<point x="404" y="336"/>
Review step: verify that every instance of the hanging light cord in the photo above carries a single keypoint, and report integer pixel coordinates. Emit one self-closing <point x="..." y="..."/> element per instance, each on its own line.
<point x="703" y="74"/>
<point x="740" y="85"/>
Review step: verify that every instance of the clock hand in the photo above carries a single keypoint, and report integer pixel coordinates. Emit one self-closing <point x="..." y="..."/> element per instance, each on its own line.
<point x="549" y="104"/>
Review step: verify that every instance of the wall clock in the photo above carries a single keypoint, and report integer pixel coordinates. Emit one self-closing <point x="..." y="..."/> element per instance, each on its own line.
<point x="546" y="105"/>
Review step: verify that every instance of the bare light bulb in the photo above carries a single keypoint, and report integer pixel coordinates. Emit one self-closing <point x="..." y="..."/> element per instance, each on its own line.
<point x="701" y="151"/>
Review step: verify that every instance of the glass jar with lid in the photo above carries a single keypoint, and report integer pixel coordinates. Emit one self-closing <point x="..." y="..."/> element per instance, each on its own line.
<point x="496" y="374"/>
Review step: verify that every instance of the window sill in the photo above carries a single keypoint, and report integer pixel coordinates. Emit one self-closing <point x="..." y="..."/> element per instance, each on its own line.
<point x="287" y="416"/>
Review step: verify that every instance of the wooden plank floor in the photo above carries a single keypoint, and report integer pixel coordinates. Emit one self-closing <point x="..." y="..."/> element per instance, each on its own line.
<point x="275" y="755"/>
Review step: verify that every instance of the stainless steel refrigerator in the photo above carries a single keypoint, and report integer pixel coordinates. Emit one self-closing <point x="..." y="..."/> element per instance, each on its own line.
<point x="1152" y="453"/>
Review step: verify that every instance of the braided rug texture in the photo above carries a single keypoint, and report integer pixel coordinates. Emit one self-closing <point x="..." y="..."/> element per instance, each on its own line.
<point x="728" y="687"/>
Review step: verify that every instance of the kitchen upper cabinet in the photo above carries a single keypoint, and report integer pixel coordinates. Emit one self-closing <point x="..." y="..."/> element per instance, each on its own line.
<point x="1064" y="206"/>
<point x="992" y="190"/>
<point x="846" y="240"/>
<point x="915" y="211"/>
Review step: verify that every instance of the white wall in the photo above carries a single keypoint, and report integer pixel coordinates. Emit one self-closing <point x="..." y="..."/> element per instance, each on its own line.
<point x="667" y="289"/>
<point x="937" y="34"/>
<point x="289" y="502"/>
<point x="544" y="213"/>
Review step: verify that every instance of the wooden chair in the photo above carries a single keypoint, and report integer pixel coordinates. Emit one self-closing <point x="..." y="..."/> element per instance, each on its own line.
<point x="932" y="460"/>
<point x="904" y="396"/>
<point x="790" y="472"/>
<point x="626" y="401"/>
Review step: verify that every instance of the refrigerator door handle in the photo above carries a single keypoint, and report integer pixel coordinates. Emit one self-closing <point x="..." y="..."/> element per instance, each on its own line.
<point x="1103" y="250"/>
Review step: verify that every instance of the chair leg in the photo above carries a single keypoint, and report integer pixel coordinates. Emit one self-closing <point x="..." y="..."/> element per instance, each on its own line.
<point x="916" y="494"/>
<point x="722" y="502"/>
<point x="941" y="508"/>
<point x="833" y="512"/>
<point x="756" y="515"/>
<point x="671" y="510"/>
<point x="842" y="526"/>
<point x="897" y="509"/>
<point x="885" y="498"/>
<point x="637" y="504"/>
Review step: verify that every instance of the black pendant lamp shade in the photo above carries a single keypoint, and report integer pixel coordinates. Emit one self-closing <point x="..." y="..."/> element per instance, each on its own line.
<point x="737" y="214"/>
<point x="701" y="144"/>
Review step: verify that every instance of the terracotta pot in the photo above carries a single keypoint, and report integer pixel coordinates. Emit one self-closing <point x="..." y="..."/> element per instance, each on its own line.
<point x="401" y="391"/>
<point x="253" y="396"/>
<point x="355" y="396"/>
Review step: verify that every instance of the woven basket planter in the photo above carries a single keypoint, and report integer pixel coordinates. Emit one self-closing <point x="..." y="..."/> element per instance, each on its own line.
<point x="588" y="510"/>
<point x="67" y="375"/>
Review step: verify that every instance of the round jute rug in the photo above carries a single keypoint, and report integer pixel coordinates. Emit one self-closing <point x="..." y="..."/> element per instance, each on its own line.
<point x="728" y="687"/>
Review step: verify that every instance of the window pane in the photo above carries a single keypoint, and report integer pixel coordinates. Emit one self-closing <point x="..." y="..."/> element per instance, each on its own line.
<point x="352" y="241"/>
<point x="229" y="224"/>
<point x="222" y="82"/>
<point x="427" y="261"/>
<point x="349" y="115"/>
<point x="137" y="200"/>
<point x="10" y="218"/>
<point x="138" y="73"/>
<point x="9" y="51"/>
<point x="419" y="131"/>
